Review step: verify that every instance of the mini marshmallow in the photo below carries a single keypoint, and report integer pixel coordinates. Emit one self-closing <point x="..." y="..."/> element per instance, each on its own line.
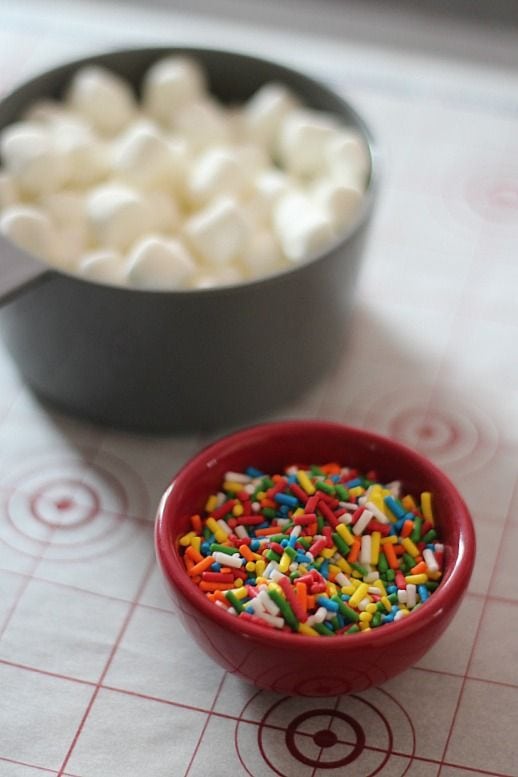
<point x="267" y="187"/>
<point x="103" y="266"/>
<point x="339" y="203"/>
<point x="215" y="172"/>
<point x="31" y="158"/>
<point x="143" y="156"/>
<point x="302" y="141"/>
<point x="9" y="194"/>
<point x="302" y="229"/>
<point x="262" y="254"/>
<point x="103" y="98"/>
<point x="169" y="84"/>
<point x="86" y="156"/>
<point x="202" y="123"/>
<point x="66" y="210"/>
<point x="219" y="232"/>
<point x="229" y="275"/>
<point x="265" y="111"/>
<point x="117" y="215"/>
<point x="347" y="159"/>
<point x="159" y="263"/>
<point x="165" y="215"/>
<point x="31" y="229"/>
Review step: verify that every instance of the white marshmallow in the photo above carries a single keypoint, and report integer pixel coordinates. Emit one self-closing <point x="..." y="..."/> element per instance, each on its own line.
<point x="219" y="232"/>
<point x="216" y="172"/>
<point x="30" y="156"/>
<point x="252" y="158"/>
<point x="165" y="215"/>
<point x="302" y="141"/>
<point x="31" y="229"/>
<point x="159" y="263"/>
<point x="86" y="156"/>
<point x="104" y="266"/>
<point x="117" y="215"/>
<point x="265" y="111"/>
<point x="267" y="187"/>
<point x="47" y="111"/>
<point x="66" y="210"/>
<point x="202" y="123"/>
<point x="230" y="275"/>
<point x="347" y="159"/>
<point x="142" y="156"/>
<point x="103" y="98"/>
<point x="301" y="228"/>
<point x="169" y="84"/>
<point x="262" y="254"/>
<point x="339" y="203"/>
<point x="8" y="191"/>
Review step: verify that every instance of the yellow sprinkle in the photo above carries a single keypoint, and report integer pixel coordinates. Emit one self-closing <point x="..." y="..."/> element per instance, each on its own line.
<point x="274" y="587"/>
<point x="364" y="625"/>
<point x="238" y="583"/>
<point x="404" y="611"/>
<point x="379" y="584"/>
<point x="366" y="617"/>
<point x="372" y="608"/>
<point x="260" y="495"/>
<point x="298" y="511"/>
<point x="344" y="533"/>
<point x="217" y="531"/>
<point x="348" y="589"/>
<point x="426" y="506"/>
<point x="250" y="566"/>
<point x="375" y="547"/>
<point x="416" y="579"/>
<point x="331" y="590"/>
<point x="307" y="630"/>
<point x="260" y="566"/>
<point x="211" y="503"/>
<point x="284" y="563"/>
<point x="229" y="485"/>
<point x="305" y="482"/>
<point x="343" y="564"/>
<point x="358" y="595"/>
<point x="356" y="491"/>
<point x="435" y="575"/>
<point x="391" y="540"/>
<point x="334" y="570"/>
<point x="238" y="510"/>
<point x="186" y="539"/>
<point x="386" y="603"/>
<point x="328" y="552"/>
<point x="260" y="580"/>
<point x="410" y="547"/>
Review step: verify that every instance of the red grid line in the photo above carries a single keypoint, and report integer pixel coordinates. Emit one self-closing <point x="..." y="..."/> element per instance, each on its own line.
<point x="200" y="738"/>
<point x="111" y="656"/>
<point x="479" y="625"/>
<point x="25" y="763"/>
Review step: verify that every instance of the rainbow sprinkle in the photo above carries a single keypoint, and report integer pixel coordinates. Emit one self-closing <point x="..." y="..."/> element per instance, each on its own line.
<point x="320" y="550"/>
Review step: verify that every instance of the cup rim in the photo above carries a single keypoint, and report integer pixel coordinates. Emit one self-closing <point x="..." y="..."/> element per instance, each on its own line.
<point x="443" y="599"/>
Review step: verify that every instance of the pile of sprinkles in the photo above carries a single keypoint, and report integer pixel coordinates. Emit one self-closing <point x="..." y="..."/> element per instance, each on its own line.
<point x="320" y="550"/>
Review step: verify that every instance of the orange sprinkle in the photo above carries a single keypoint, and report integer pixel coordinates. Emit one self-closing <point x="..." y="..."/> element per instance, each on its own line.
<point x="218" y="596"/>
<point x="267" y="502"/>
<point x="355" y="551"/>
<point x="204" y="586"/>
<point x="269" y="530"/>
<point x="390" y="555"/>
<point x="406" y="531"/>
<point x="201" y="566"/>
<point x="196" y="524"/>
<point x="189" y="563"/>
<point x="302" y="595"/>
<point x="248" y="554"/>
<point x="193" y="554"/>
<point x="311" y="601"/>
<point x="331" y="469"/>
<point x="419" y="568"/>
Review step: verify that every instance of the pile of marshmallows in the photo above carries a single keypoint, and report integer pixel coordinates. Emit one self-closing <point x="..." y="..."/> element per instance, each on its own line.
<point x="179" y="191"/>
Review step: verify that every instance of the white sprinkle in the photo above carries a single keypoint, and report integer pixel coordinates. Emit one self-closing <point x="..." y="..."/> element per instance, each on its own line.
<point x="378" y="514"/>
<point x="402" y="596"/>
<point x="318" y="617"/>
<point x="273" y="620"/>
<point x="342" y="580"/>
<point x="362" y="522"/>
<point x="256" y="507"/>
<point x="295" y="532"/>
<point x="346" y="519"/>
<point x="430" y="560"/>
<point x="235" y="561"/>
<point x="411" y="595"/>
<point x="371" y="577"/>
<point x="241" y="532"/>
<point x="237" y="477"/>
<point x="364" y="604"/>
<point x="267" y="603"/>
<point x="223" y="525"/>
<point x="365" y="551"/>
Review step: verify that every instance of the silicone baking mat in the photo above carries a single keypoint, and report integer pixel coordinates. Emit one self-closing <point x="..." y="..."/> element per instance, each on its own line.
<point x="97" y="677"/>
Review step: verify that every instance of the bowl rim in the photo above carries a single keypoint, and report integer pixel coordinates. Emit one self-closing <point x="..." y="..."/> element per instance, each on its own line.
<point x="338" y="242"/>
<point x="443" y="599"/>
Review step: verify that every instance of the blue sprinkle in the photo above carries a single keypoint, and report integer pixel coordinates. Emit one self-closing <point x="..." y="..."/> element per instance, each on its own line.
<point x="284" y="543"/>
<point x="292" y="479"/>
<point x="353" y="483"/>
<point x="323" y="601"/>
<point x="286" y="499"/>
<point x="395" y="507"/>
<point x="392" y="589"/>
<point x="283" y="510"/>
<point x="252" y="472"/>
<point x="324" y="568"/>
<point x="335" y="478"/>
<point x="250" y="610"/>
<point x="205" y="548"/>
<point x="216" y="567"/>
<point x="292" y="541"/>
<point x="255" y="545"/>
<point x="423" y="592"/>
<point x="251" y="581"/>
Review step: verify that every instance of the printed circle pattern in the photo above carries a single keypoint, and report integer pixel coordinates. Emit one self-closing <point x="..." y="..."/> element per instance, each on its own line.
<point x="70" y="505"/>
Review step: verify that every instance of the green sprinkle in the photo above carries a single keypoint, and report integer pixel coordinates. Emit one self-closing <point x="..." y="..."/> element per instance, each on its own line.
<point x="234" y="601"/>
<point x="315" y="470"/>
<point x="271" y="555"/>
<point x="409" y="561"/>
<point x="216" y="547"/>
<point x="391" y="574"/>
<point x="382" y="564"/>
<point x="353" y="629"/>
<point x="323" y="630"/>
<point x="429" y="536"/>
<point x="346" y="611"/>
<point x="340" y="543"/>
<point x="415" y="536"/>
<point x="359" y="568"/>
<point x="268" y="512"/>
<point x="325" y="487"/>
<point x="342" y="493"/>
<point x="266" y="483"/>
<point x="320" y="524"/>
<point x="291" y="552"/>
<point x="286" y="611"/>
<point x="376" y="619"/>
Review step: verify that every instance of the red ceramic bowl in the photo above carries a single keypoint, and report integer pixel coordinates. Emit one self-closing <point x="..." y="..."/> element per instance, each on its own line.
<point x="292" y="663"/>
